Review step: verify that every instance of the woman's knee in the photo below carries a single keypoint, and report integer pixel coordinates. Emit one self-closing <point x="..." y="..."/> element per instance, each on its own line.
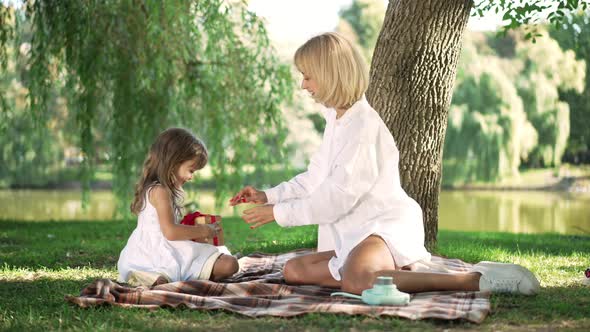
<point x="357" y="283"/>
<point x="292" y="271"/>
<point x="368" y="257"/>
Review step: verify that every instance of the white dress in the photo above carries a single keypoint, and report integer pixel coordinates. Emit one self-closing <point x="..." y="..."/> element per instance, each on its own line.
<point x="147" y="250"/>
<point x="352" y="190"/>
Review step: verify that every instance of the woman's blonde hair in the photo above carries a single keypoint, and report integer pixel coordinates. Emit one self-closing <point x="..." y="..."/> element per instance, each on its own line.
<point x="172" y="147"/>
<point x="337" y="67"/>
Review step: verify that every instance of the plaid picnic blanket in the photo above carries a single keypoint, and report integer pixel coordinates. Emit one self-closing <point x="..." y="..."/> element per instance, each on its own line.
<point x="258" y="289"/>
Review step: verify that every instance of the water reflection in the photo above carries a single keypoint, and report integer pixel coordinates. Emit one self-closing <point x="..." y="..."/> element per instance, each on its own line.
<point x="515" y="212"/>
<point x="67" y="205"/>
<point x="498" y="211"/>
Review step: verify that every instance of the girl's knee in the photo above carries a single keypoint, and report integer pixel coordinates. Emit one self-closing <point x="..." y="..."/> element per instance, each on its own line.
<point x="224" y="267"/>
<point x="231" y="264"/>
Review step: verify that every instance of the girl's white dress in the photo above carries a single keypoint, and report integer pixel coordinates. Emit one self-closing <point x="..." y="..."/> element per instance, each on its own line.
<point x="147" y="250"/>
<point x="352" y="190"/>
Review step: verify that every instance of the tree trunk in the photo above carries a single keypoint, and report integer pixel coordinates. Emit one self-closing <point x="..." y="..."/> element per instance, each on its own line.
<point x="411" y="83"/>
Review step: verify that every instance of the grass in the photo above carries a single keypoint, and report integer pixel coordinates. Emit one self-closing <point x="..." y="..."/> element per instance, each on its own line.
<point x="41" y="262"/>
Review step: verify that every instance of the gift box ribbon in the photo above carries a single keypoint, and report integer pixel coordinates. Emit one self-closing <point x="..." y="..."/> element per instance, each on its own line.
<point x="190" y="219"/>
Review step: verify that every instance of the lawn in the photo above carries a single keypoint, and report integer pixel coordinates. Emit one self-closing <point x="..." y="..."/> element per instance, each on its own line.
<point x="42" y="261"/>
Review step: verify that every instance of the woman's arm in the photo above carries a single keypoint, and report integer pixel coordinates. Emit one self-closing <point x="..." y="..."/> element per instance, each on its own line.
<point x="160" y="199"/>
<point x="355" y="172"/>
<point x="302" y="184"/>
<point x="305" y="183"/>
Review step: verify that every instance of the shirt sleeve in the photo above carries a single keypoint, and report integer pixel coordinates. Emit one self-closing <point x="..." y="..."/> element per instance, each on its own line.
<point x="299" y="186"/>
<point x="354" y="173"/>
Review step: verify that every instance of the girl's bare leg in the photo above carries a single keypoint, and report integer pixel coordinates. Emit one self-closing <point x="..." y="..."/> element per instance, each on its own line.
<point x="371" y="258"/>
<point x="310" y="269"/>
<point x="225" y="266"/>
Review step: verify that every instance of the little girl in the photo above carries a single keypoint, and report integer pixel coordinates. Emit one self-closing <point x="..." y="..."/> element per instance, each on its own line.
<point x="160" y="250"/>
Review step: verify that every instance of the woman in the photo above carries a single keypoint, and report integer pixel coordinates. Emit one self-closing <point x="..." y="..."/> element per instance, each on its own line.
<point x="368" y="225"/>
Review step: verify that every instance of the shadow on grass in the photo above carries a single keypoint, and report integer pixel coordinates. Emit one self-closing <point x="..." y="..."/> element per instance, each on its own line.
<point x="59" y="244"/>
<point x="55" y="244"/>
<point x="552" y="304"/>
<point x="474" y="247"/>
<point x="33" y="301"/>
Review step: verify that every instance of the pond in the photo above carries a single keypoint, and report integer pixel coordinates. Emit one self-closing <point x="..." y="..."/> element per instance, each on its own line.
<point x="494" y="211"/>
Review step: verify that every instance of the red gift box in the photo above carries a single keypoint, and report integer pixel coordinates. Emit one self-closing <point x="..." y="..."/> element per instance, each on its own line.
<point x="198" y="218"/>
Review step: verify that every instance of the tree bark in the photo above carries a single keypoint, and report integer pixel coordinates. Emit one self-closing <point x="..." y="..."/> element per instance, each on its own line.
<point x="411" y="81"/>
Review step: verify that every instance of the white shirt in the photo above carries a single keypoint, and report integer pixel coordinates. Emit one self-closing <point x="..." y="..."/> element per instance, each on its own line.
<point x="352" y="190"/>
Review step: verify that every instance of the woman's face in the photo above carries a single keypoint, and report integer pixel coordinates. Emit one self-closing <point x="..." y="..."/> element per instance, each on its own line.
<point x="309" y="84"/>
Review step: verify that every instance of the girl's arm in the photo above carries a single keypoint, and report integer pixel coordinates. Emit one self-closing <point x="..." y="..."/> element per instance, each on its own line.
<point x="160" y="199"/>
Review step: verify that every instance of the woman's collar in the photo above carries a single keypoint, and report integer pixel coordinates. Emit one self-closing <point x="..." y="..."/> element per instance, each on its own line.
<point x="352" y="111"/>
<point x="330" y="112"/>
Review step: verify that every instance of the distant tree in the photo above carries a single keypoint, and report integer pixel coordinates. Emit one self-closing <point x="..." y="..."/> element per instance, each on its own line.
<point x="412" y="76"/>
<point x="506" y="108"/>
<point x="574" y="34"/>
<point x="488" y="131"/>
<point x="361" y="22"/>
<point x="144" y="66"/>
<point x="547" y="70"/>
<point x="28" y="156"/>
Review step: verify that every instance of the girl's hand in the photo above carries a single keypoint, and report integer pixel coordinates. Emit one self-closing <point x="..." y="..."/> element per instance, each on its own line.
<point x="258" y="216"/>
<point x="212" y="230"/>
<point x="249" y="194"/>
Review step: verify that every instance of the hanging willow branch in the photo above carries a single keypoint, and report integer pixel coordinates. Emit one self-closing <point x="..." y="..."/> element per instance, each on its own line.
<point x="132" y="68"/>
<point x="6" y="34"/>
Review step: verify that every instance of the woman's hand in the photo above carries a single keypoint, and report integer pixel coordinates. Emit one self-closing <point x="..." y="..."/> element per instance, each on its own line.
<point x="249" y="194"/>
<point x="258" y="216"/>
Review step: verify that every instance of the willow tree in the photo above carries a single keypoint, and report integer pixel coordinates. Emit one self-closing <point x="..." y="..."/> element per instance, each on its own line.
<point x="361" y="22"/>
<point x="132" y="68"/>
<point x="574" y="34"/>
<point x="506" y="106"/>
<point x="488" y="130"/>
<point x="412" y="75"/>
<point x="542" y="79"/>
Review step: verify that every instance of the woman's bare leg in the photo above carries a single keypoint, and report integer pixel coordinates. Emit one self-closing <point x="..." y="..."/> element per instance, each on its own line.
<point x="371" y="258"/>
<point x="310" y="269"/>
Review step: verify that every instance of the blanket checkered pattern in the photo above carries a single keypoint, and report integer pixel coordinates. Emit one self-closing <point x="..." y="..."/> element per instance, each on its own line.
<point x="258" y="289"/>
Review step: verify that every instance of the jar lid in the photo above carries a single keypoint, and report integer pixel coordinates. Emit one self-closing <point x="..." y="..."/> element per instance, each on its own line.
<point x="384" y="281"/>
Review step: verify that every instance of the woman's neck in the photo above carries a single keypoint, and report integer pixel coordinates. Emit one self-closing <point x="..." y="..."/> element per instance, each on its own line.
<point x="340" y="112"/>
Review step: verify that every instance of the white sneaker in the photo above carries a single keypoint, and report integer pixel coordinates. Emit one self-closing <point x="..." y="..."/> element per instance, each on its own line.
<point x="506" y="278"/>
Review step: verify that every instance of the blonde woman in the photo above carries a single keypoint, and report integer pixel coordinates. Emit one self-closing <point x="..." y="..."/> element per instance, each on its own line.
<point x="368" y="225"/>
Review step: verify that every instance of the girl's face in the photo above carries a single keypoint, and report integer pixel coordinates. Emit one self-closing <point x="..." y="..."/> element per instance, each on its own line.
<point x="184" y="172"/>
<point x="309" y="84"/>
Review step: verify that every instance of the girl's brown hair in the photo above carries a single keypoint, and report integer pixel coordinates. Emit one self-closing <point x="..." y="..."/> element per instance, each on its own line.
<point x="171" y="148"/>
